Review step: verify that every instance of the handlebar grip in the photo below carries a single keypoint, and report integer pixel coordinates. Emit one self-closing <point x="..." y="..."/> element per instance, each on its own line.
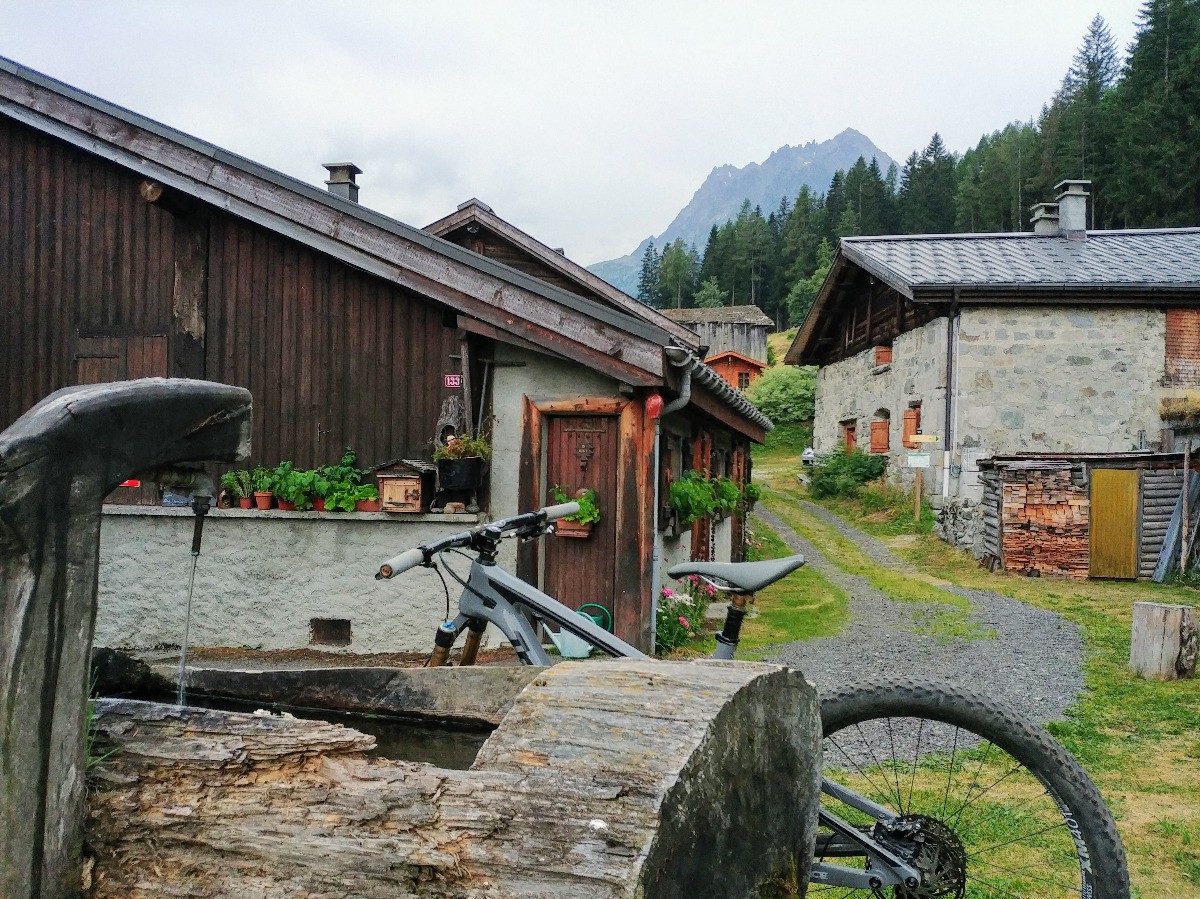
<point x="410" y="558"/>
<point x="562" y="510"/>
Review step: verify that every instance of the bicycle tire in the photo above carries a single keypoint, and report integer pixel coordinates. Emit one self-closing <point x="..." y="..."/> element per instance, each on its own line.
<point x="1102" y="871"/>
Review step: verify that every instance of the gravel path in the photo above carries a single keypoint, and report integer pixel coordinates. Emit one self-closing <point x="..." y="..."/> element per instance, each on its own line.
<point x="1033" y="665"/>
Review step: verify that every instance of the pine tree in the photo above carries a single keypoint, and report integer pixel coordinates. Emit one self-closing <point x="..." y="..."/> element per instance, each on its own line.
<point x="710" y="295"/>
<point x="649" y="279"/>
<point x="678" y="268"/>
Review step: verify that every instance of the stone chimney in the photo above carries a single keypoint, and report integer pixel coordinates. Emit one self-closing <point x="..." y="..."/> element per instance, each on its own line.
<point x="341" y="180"/>
<point x="1073" y="209"/>
<point x="1045" y="218"/>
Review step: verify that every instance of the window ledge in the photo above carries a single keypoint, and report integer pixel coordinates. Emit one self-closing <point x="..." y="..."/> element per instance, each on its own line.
<point x="880" y="369"/>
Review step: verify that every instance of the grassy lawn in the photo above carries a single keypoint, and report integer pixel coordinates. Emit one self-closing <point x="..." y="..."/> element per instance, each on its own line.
<point x="1139" y="740"/>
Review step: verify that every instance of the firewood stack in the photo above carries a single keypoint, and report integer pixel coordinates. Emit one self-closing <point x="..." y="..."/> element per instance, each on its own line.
<point x="1045" y="523"/>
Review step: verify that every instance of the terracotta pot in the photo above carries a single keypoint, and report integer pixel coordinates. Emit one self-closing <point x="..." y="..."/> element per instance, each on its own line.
<point x="571" y="529"/>
<point x="262" y="499"/>
<point x="285" y="506"/>
<point x="246" y="502"/>
<point x="319" y="504"/>
<point x="367" y="505"/>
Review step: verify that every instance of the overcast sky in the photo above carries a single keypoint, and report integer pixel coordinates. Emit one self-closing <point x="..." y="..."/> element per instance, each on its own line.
<point x="589" y="125"/>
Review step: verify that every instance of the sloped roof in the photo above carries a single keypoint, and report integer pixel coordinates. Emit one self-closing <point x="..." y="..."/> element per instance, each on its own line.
<point x="476" y="211"/>
<point x="716" y="357"/>
<point x="737" y="315"/>
<point x="1108" y="259"/>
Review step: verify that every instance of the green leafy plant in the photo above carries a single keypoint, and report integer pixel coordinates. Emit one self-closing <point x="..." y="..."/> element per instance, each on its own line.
<point x="681" y="613"/>
<point x="692" y="497"/>
<point x="238" y="483"/>
<point x="844" y="472"/>
<point x="751" y="493"/>
<point x="589" y="512"/>
<point x="727" y="495"/>
<point x="345" y="471"/>
<point x="464" y="447"/>
<point x="260" y="479"/>
<point x="298" y="487"/>
<point x="785" y="394"/>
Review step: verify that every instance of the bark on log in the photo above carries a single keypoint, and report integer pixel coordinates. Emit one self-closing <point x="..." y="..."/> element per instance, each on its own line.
<point x="622" y="779"/>
<point x="57" y="463"/>
<point x="1164" y="641"/>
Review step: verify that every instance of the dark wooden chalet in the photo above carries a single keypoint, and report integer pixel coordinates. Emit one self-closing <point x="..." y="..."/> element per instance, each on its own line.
<point x="129" y="249"/>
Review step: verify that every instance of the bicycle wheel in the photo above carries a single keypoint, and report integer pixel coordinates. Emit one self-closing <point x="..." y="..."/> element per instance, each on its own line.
<point x="989" y="805"/>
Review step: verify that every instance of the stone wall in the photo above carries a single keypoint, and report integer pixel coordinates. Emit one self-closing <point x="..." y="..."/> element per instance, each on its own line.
<point x="263" y="576"/>
<point x="856" y="389"/>
<point x="1058" y="379"/>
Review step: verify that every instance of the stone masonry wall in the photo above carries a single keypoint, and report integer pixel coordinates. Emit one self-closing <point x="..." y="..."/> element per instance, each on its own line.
<point x="262" y="577"/>
<point x="1058" y="379"/>
<point x="856" y="388"/>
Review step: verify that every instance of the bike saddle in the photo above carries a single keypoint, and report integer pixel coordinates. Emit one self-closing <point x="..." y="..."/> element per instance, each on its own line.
<point x="749" y="577"/>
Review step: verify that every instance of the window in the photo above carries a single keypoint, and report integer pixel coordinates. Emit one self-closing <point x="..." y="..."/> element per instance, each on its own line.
<point x="881" y="431"/>
<point x="883" y="355"/>
<point x="912" y="424"/>
<point x="743" y="380"/>
<point x="850" y="435"/>
<point x="1183" y="347"/>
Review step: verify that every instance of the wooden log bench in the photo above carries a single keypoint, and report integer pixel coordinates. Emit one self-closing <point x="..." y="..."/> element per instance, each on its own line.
<point x="611" y="779"/>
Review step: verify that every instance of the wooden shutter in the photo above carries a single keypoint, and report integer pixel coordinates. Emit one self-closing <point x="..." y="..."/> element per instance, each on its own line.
<point x="1183" y="347"/>
<point x="850" y="435"/>
<point x="912" y="424"/>
<point x="883" y="355"/>
<point x="879" y="436"/>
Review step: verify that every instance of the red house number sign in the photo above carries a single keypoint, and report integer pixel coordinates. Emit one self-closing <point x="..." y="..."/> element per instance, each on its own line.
<point x="453" y="380"/>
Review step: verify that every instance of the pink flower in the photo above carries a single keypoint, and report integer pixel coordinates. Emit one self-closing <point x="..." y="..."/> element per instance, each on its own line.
<point x="693" y="579"/>
<point x="710" y="589"/>
<point x="684" y="621"/>
<point x="667" y="591"/>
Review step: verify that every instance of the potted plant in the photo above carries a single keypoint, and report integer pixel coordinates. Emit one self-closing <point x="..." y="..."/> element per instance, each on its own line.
<point x="692" y="497"/>
<point x="293" y="488"/>
<point x="338" y="485"/>
<point x="579" y="524"/>
<point x="460" y="462"/>
<point x="726" y="496"/>
<point x="366" y="498"/>
<point x="260" y="478"/>
<point x="751" y="494"/>
<point x="240" y="487"/>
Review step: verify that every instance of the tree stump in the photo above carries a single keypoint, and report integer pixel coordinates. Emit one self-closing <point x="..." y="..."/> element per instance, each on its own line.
<point x="1164" y="641"/>
<point x="606" y="779"/>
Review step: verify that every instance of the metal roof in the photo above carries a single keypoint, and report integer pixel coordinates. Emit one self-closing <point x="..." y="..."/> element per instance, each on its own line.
<point x="738" y="315"/>
<point x="1139" y="259"/>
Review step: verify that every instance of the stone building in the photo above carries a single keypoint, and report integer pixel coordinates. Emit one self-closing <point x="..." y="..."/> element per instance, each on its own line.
<point x="1060" y="340"/>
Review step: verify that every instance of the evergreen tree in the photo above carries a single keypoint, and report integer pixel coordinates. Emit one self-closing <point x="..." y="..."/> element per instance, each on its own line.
<point x="678" y="268"/>
<point x="710" y="295"/>
<point x="649" y="279"/>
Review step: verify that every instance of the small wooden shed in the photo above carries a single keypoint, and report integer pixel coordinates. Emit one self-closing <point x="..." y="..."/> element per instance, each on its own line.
<point x="1079" y="515"/>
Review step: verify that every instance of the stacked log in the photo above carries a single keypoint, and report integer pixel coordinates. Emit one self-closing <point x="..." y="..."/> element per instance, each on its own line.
<point x="1160" y="493"/>
<point x="612" y="779"/>
<point x="1045" y="522"/>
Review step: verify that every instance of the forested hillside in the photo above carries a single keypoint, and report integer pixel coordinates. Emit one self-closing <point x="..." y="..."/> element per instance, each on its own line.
<point x="1131" y="127"/>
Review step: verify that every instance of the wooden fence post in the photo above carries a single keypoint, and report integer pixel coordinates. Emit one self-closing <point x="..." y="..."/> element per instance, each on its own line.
<point x="1164" y="641"/>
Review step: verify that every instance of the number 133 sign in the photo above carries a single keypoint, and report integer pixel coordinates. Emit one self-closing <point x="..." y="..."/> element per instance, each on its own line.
<point x="454" y="381"/>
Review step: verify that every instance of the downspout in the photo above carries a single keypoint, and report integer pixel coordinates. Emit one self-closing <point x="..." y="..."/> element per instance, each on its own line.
<point x="681" y="359"/>
<point x="949" y="395"/>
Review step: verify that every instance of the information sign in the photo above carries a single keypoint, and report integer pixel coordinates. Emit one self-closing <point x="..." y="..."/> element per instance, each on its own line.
<point x="453" y="381"/>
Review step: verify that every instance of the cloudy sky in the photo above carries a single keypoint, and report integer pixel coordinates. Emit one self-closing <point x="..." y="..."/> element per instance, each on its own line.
<point x="588" y="125"/>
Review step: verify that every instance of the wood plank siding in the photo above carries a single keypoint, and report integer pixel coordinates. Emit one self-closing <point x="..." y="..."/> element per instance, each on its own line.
<point x="334" y="357"/>
<point x="869" y="314"/>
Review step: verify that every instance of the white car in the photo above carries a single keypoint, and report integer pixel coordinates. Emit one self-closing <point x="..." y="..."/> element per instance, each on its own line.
<point x="808" y="456"/>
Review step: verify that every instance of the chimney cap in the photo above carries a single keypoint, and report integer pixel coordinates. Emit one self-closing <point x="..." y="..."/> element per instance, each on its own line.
<point x="1073" y="187"/>
<point x="347" y="171"/>
<point x="475" y="201"/>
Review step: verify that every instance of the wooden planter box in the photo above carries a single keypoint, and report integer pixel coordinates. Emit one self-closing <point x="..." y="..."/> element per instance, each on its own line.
<point x="571" y="529"/>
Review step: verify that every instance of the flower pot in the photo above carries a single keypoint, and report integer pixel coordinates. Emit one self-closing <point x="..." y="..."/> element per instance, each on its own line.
<point x="367" y="505"/>
<point x="572" y="529"/>
<point x="246" y="502"/>
<point x="262" y="499"/>
<point x="319" y="504"/>
<point x="285" y="506"/>
<point x="460" y="474"/>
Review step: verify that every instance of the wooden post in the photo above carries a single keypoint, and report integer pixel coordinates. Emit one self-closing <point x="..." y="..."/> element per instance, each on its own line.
<point x="1164" y="641"/>
<point x="1183" y="534"/>
<point x="917" y="478"/>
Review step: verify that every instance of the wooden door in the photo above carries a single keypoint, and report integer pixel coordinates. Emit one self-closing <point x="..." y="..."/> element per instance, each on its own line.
<point x="582" y="451"/>
<point x="1114" y="524"/>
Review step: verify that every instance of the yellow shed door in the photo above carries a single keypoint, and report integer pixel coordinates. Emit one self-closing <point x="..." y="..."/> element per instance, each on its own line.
<point x="1114" y="524"/>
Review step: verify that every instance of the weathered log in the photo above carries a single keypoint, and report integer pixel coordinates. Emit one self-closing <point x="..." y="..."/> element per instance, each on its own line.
<point x="1164" y="641"/>
<point x="623" y="779"/>
<point x="57" y="463"/>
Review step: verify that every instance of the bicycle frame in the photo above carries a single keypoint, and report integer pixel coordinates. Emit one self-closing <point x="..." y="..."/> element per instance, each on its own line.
<point x="493" y="595"/>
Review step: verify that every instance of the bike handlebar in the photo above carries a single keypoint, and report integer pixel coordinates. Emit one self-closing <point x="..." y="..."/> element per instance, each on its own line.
<point x="421" y="555"/>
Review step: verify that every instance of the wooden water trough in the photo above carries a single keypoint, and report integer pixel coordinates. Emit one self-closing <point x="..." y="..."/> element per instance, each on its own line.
<point x="603" y="779"/>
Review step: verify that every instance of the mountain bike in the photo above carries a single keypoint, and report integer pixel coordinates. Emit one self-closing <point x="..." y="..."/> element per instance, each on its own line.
<point x="930" y="790"/>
